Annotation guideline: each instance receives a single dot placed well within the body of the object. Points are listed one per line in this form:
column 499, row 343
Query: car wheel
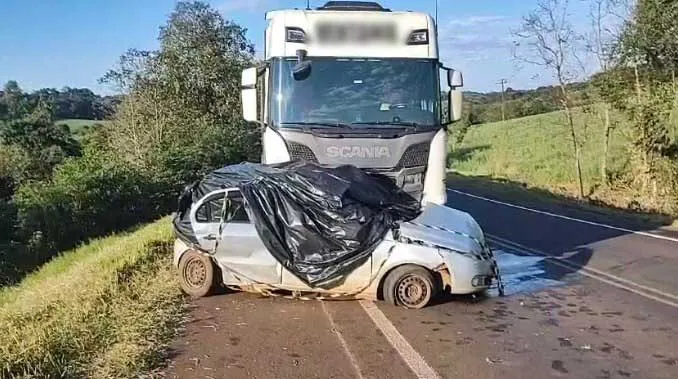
column 196, row 274
column 410, row 286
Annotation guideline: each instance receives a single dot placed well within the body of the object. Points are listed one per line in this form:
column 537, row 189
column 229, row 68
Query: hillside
column 487, row 107
column 533, row 149
column 537, row 151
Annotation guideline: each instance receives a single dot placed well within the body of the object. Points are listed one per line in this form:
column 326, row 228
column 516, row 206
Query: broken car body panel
column 446, row 227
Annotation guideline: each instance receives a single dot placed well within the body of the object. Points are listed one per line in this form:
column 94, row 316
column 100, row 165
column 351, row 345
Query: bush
column 13, row 163
column 87, row 197
column 9, row 259
column 45, row 144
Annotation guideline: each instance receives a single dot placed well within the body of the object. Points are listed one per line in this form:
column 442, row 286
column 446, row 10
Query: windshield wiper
column 327, row 124
column 393, row 123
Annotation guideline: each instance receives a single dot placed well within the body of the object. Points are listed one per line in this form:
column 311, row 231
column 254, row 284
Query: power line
column 502, row 82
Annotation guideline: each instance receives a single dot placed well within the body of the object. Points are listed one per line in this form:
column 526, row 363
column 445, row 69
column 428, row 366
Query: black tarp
column 320, row 223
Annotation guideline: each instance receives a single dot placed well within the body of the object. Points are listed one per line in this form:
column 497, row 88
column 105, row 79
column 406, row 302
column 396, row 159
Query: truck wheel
column 196, row 274
column 410, row 286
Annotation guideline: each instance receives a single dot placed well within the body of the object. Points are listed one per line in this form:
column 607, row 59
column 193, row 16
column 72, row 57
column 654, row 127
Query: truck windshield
column 359, row 93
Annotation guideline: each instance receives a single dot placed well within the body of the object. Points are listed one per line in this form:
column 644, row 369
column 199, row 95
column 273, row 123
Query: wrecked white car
column 413, row 260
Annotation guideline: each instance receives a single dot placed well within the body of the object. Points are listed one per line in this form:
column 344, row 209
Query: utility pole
column 503, row 108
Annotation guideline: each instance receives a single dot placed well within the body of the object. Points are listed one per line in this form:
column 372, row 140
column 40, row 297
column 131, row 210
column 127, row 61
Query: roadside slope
column 537, row 151
column 106, row 309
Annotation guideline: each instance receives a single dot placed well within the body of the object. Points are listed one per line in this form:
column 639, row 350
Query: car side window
column 211, row 208
column 238, row 213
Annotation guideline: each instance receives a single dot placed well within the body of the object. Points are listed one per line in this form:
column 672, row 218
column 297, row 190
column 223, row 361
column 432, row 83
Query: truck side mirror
column 302, row 69
column 455, row 98
column 248, row 87
column 455, row 79
column 455, row 101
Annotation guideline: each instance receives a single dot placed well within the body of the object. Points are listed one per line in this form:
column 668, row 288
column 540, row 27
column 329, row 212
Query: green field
column 78, row 126
column 107, row 309
column 537, row 151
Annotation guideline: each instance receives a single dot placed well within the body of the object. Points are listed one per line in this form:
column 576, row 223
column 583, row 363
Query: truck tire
column 196, row 274
column 410, row 286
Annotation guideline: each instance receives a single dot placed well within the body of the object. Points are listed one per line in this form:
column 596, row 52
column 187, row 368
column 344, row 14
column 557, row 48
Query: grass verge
column 105, row 310
column 537, row 150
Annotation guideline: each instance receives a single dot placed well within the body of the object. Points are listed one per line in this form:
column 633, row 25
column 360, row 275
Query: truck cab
column 354, row 83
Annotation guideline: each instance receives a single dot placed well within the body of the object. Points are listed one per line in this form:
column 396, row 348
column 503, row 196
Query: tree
column 546, row 38
column 45, row 144
column 606, row 18
column 649, row 37
column 643, row 87
column 12, row 102
column 650, row 40
column 79, row 103
column 181, row 114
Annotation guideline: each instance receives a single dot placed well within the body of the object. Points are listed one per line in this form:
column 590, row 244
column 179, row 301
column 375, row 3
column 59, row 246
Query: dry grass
column 107, row 309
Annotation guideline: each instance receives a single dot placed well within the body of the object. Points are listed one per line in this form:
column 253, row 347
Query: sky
column 57, row 43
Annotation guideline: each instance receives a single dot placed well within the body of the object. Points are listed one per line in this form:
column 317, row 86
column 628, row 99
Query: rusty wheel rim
column 413, row 291
column 195, row 272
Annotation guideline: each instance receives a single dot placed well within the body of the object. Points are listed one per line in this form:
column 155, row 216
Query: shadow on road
column 561, row 239
column 541, row 199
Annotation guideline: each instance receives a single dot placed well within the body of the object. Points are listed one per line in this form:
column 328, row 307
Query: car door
column 240, row 248
column 355, row 281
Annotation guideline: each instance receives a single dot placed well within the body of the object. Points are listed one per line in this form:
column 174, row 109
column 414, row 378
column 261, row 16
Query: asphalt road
column 584, row 301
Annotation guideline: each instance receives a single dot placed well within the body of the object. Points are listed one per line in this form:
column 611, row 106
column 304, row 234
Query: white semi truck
column 354, row 83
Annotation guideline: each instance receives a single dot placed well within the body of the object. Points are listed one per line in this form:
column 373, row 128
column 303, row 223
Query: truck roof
column 353, row 6
column 347, row 18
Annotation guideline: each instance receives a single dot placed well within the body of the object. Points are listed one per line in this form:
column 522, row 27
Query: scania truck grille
column 414, row 156
column 302, row 152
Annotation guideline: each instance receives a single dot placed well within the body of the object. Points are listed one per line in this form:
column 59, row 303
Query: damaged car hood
column 445, row 227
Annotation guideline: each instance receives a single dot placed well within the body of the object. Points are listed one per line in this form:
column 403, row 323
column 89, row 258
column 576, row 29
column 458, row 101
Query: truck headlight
column 413, row 179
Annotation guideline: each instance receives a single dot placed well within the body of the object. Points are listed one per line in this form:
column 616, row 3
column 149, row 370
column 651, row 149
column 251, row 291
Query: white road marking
column 415, row 361
column 637, row 232
column 336, row 331
column 602, row 276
